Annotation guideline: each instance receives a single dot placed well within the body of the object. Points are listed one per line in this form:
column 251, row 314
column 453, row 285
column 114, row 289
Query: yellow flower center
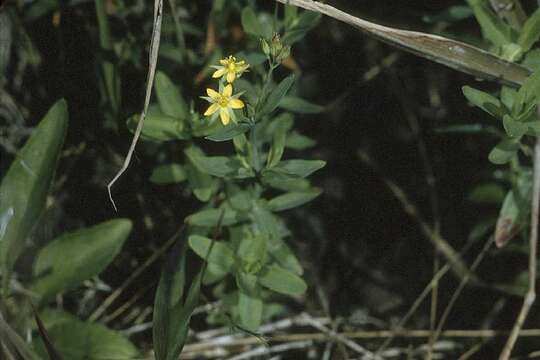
column 223, row 101
column 231, row 67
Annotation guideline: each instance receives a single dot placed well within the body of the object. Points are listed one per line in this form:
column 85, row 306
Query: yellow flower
column 224, row 102
column 231, row 68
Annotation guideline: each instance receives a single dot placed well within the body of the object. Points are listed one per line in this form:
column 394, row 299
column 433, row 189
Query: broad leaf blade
column 25, row 186
column 74, row 257
column 169, row 97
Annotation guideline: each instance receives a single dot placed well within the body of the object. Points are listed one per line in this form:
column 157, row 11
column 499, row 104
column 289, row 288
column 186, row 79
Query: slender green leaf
column 169, row 294
column 25, row 186
column 503, row 152
column 493, row 28
column 74, row 257
column 282, row 126
column 514, row 129
column 284, row 256
column 292, row 199
column 300, row 168
column 219, row 166
column 484, row 101
column 210, row 217
column 229, row 132
column 273, row 99
column 250, row 309
column 168, row 174
column 530, row 32
column 299, row 105
column 220, row 255
column 297, row 141
column 282, row 281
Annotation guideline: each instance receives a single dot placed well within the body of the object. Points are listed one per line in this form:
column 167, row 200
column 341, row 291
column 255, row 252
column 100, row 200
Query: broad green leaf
column 213, row 273
column 219, row 166
column 210, row 218
column 285, row 182
column 297, row 141
column 169, row 98
column 273, row 99
column 300, row 168
column 484, row 101
column 203, row 185
column 220, row 255
column 493, row 28
column 490, row 193
column 74, row 257
column 248, row 283
column 292, row 199
column 252, row 252
column 25, row 186
column 78, row 340
column 250, row 310
column 530, row 32
column 252, row 25
column 168, row 174
column 503, row 152
column 282, row 281
column 229, row 132
column 514, row 129
column 299, row 105
column 282, row 126
column 158, row 127
column 240, row 200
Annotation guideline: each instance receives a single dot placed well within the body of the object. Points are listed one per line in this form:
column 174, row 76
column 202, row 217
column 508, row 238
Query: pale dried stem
column 153, row 55
column 454, row 54
column 533, row 244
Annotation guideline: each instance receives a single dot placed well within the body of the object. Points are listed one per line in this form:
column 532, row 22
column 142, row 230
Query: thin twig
column 533, row 243
column 454, row 54
column 336, row 336
column 201, row 347
column 154, row 50
column 458, row 266
column 263, row 350
column 109, row 300
column 460, row 288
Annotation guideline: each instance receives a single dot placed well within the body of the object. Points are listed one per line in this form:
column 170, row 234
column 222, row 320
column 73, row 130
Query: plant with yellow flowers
column 246, row 191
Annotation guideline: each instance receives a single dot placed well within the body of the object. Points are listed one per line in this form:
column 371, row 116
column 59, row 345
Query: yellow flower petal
column 228, row 90
column 224, row 61
column 224, row 116
column 211, row 109
column 219, row 73
column 212, row 93
column 231, row 76
column 236, row 103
